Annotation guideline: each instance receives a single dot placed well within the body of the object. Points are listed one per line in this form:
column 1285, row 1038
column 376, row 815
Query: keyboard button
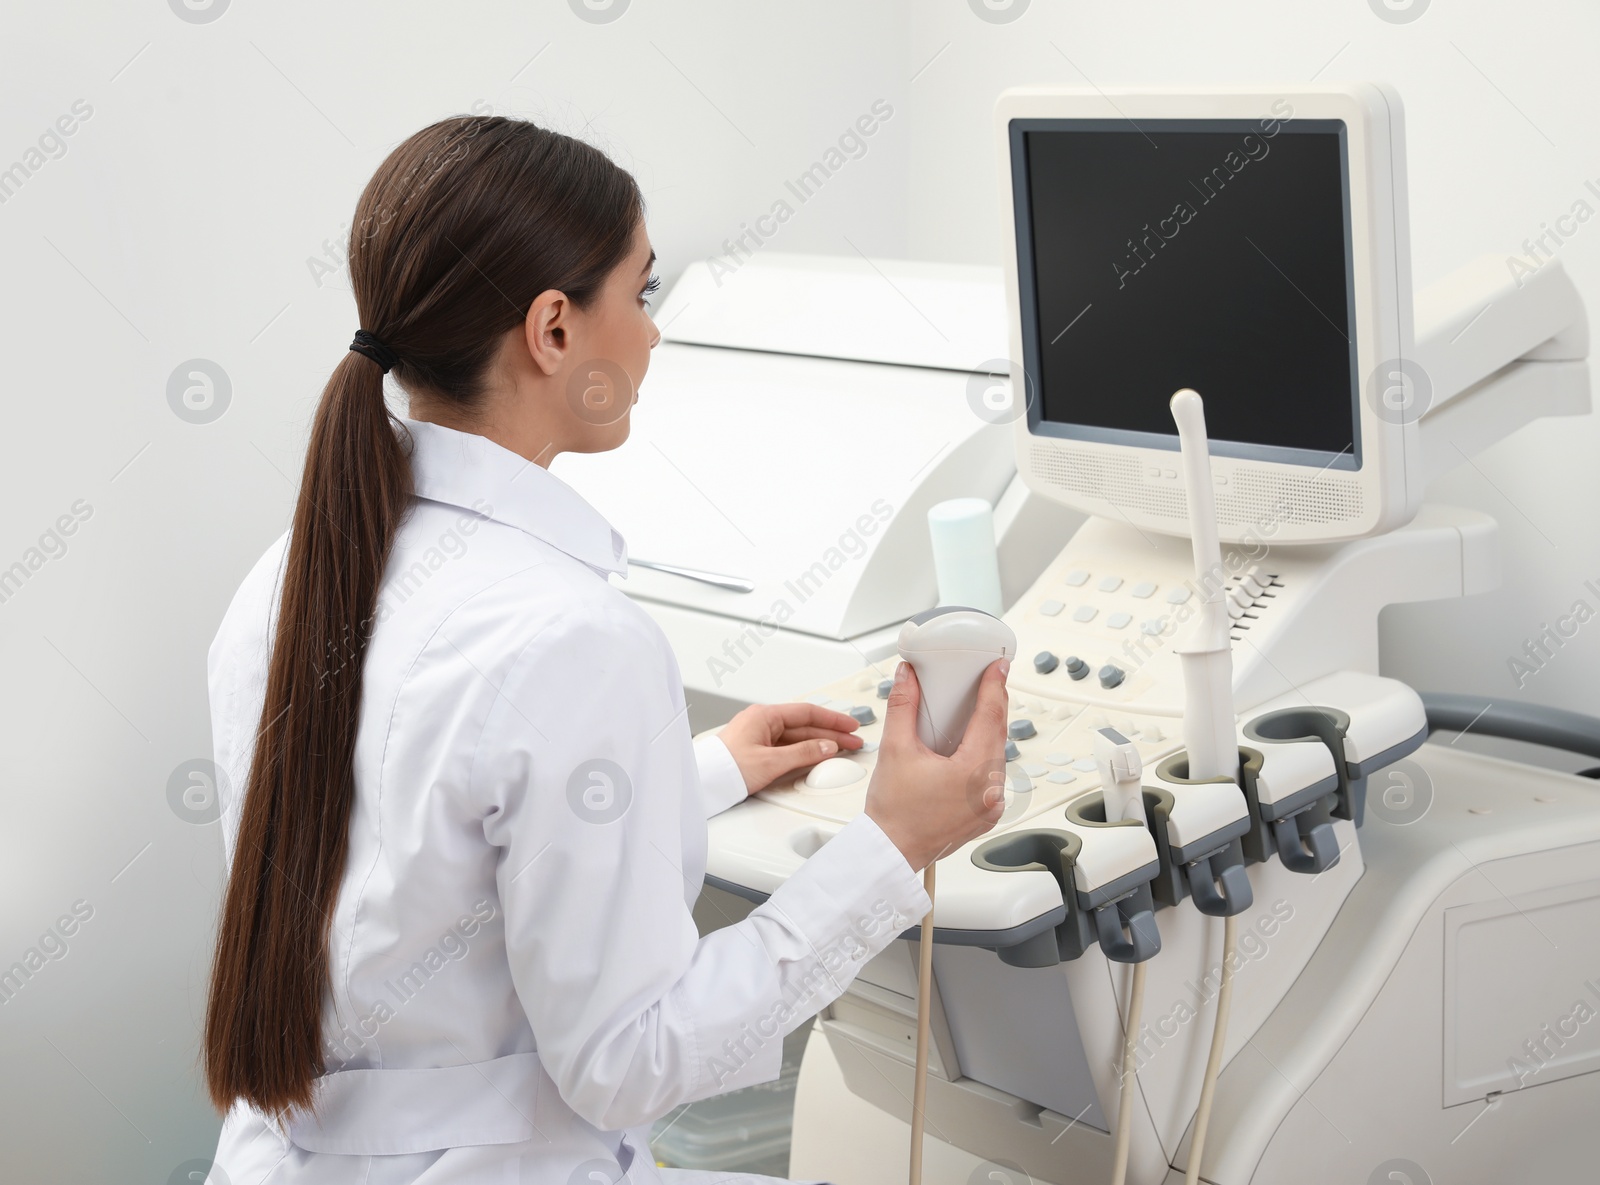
column 1084, row 613
column 1119, row 621
column 1110, row 583
column 1178, row 595
column 1143, row 589
column 1050, row 608
column 1076, row 578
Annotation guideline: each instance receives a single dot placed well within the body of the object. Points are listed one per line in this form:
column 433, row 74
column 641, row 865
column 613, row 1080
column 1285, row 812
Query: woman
column 456, row 944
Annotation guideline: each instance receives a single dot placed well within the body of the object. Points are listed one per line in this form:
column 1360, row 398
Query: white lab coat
column 518, row 990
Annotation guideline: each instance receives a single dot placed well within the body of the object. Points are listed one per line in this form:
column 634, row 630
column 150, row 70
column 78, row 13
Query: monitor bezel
column 1140, row 485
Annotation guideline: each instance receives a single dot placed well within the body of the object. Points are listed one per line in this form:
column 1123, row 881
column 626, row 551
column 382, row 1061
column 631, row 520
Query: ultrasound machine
column 1395, row 930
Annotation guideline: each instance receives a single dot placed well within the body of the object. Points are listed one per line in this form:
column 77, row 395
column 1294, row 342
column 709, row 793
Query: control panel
column 1098, row 636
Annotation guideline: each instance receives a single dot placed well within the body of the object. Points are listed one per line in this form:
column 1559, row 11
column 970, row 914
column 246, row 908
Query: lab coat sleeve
column 586, row 774
column 720, row 780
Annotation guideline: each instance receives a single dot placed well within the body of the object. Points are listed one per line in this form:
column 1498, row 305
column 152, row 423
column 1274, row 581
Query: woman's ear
column 547, row 330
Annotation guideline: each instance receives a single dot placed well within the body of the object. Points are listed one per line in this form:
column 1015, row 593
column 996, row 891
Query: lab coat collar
column 473, row 472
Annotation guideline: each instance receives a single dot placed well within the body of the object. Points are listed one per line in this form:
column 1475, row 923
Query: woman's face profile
column 612, row 343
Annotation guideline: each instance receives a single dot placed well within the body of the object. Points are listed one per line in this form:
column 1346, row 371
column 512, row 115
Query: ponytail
column 262, row 1038
column 457, row 232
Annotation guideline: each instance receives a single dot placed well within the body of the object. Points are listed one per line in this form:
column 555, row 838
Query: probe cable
column 919, row 1091
column 1219, row 1035
column 1130, row 1080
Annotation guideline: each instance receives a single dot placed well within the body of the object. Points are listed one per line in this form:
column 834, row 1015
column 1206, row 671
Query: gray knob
column 1021, row 730
column 884, row 688
column 1044, row 662
column 1011, row 750
column 1076, row 667
column 863, row 713
column 1110, row 675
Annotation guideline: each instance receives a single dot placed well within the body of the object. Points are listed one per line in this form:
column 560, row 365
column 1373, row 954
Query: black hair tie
column 365, row 343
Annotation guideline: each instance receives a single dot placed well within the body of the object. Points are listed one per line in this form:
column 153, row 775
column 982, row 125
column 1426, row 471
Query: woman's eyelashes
column 650, row 290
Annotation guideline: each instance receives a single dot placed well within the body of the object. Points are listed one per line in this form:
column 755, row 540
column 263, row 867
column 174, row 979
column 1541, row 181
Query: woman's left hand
column 770, row 740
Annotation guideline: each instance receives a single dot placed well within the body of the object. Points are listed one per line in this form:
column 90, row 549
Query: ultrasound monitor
column 1247, row 244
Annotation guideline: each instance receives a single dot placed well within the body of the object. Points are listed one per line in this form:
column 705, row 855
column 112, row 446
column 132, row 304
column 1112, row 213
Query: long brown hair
column 458, row 231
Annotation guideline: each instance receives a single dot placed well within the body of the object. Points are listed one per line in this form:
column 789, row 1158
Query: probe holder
column 1042, row 850
column 1296, row 803
column 1125, row 920
column 1208, row 866
column 1119, row 915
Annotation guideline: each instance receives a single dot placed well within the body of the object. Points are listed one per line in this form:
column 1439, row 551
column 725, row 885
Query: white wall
column 219, row 156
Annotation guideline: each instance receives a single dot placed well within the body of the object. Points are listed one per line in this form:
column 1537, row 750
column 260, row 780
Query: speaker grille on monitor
column 1252, row 496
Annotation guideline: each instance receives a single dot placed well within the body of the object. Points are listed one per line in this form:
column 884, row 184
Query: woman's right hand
column 930, row 805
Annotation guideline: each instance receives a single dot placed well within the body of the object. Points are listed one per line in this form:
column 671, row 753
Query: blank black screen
column 1215, row 259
